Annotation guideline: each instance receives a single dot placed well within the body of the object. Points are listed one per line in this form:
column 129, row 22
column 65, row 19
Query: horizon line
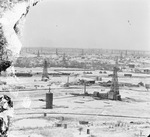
column 85, row 48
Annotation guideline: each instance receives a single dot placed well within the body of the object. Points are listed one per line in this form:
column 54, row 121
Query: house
column 128, row 75
column 23, row 74
column 131, row 66
column 146, row 71
column 83, row 80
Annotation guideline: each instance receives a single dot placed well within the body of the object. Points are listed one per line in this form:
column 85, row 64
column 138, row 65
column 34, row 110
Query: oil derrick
column 56, row 51
column 45, row 71
column 26, row 50
column 82, row 53
column 64, row 60
column 41, row 50
column 38, row 54
column 126, row 52
column 114, row 90
column 121, row 56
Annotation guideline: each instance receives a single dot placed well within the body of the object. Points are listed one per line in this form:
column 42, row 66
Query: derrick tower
column 64, row 60
column 114, row 90
column 56, row 51
column 82, row 52
column 126, row 52
column 38, row 53
column 121, row 56
column 45, row 71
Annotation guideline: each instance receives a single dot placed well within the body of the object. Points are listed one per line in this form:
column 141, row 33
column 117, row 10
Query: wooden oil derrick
column 126, row 52
column 56, row 51
column 64, row 60
column 45, row 71
column 121, row 56
column 38, row 53
column 82, row 52
column 114, row 90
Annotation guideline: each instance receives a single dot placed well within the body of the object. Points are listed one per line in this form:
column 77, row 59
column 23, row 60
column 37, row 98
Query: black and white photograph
column 74, row 68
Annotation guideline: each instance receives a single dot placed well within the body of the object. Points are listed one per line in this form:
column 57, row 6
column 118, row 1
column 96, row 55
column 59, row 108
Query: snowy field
column 105, row 118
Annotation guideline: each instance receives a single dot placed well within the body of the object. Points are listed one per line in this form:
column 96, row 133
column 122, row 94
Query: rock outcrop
column 12, row 18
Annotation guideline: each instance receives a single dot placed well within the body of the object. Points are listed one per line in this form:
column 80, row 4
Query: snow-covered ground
column 127, row 118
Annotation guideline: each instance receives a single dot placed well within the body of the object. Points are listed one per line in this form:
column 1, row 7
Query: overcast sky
column 111, row 24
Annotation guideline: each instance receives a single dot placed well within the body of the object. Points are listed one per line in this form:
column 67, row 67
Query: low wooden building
column 128, row 75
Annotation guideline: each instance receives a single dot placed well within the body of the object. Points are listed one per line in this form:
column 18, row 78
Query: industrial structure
column 45, row 71
column 114, row 90
column 64, row 60
column 56, row 51
column 113, row 94
column 38, row 54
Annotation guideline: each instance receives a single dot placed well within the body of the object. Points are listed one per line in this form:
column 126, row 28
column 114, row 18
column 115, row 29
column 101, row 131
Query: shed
column 131, row 66
column 128, row 75
column 87, row 80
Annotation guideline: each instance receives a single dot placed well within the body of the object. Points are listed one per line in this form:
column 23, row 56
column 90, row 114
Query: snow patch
column 32, row 123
